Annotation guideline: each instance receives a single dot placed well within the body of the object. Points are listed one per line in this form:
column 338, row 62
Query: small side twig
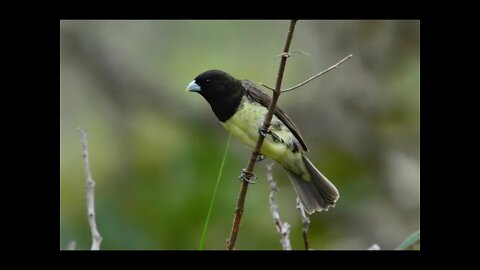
column 282, row 227
column 90, row 186
column 291, row 52
column 311, row 78
column 305, row 221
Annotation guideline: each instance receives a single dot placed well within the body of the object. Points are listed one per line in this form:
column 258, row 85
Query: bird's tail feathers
column 318, row 193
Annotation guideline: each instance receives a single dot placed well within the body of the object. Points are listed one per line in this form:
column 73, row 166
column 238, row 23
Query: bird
column 241, row 106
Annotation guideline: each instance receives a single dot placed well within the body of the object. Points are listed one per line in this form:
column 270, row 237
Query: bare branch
column 72, row 245
column 318, row 75
column 90, row 186
column 309, row 79
column 282, row 228
column 256, row 151
column 290, row 53
column 305, row 221
column 266, row 86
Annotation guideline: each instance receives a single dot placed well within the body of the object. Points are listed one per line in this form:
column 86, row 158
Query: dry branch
column 305, row 222
column 248, row 173
column 309, row 79
column 282, row 227
column 90, row 186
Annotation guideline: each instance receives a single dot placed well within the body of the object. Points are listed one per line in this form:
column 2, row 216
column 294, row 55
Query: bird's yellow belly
column 271, row 149
column 244, row 125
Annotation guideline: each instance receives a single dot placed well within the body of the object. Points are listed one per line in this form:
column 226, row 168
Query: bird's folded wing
column 261, row 97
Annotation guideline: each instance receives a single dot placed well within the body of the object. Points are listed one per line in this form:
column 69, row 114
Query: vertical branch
column 256, row 151
column 282, row 228
column 90, row 186
column 305, row 221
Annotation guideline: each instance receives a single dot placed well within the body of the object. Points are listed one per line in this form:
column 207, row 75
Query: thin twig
column 90, row 186
column 290, row 53
column 72, row 245
column 305, row 221
column 282, row 228
column 256, row 151
column 266, row 86
column 316, row 76
column 311, row 78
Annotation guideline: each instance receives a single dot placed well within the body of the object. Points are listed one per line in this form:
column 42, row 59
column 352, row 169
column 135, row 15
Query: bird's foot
column 260, row 158
column 263, row 132
column 248, row 177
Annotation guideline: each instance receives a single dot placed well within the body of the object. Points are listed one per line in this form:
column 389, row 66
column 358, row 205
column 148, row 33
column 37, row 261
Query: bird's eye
column 207, row 81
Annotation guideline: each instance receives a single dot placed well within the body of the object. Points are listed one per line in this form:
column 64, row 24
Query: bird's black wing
column 259, row 96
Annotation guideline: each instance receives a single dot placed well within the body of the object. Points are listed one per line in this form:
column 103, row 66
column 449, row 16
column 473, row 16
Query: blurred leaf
column 410, row 241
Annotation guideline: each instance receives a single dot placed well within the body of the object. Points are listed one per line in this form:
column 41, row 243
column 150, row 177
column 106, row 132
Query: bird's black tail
column 317, row 194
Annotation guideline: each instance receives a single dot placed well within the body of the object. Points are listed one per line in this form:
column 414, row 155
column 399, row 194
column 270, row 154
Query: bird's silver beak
column 193, row 87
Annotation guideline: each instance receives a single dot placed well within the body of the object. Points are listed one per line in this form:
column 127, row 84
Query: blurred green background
column 155, row 150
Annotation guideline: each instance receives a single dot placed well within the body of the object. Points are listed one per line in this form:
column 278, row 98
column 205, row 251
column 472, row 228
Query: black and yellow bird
column 241, row 108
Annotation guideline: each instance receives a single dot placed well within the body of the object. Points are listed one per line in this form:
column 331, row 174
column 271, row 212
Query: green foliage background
column 155, row 150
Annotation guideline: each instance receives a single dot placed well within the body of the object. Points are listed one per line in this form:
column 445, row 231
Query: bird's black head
column 221, row 90
column 213, row 84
